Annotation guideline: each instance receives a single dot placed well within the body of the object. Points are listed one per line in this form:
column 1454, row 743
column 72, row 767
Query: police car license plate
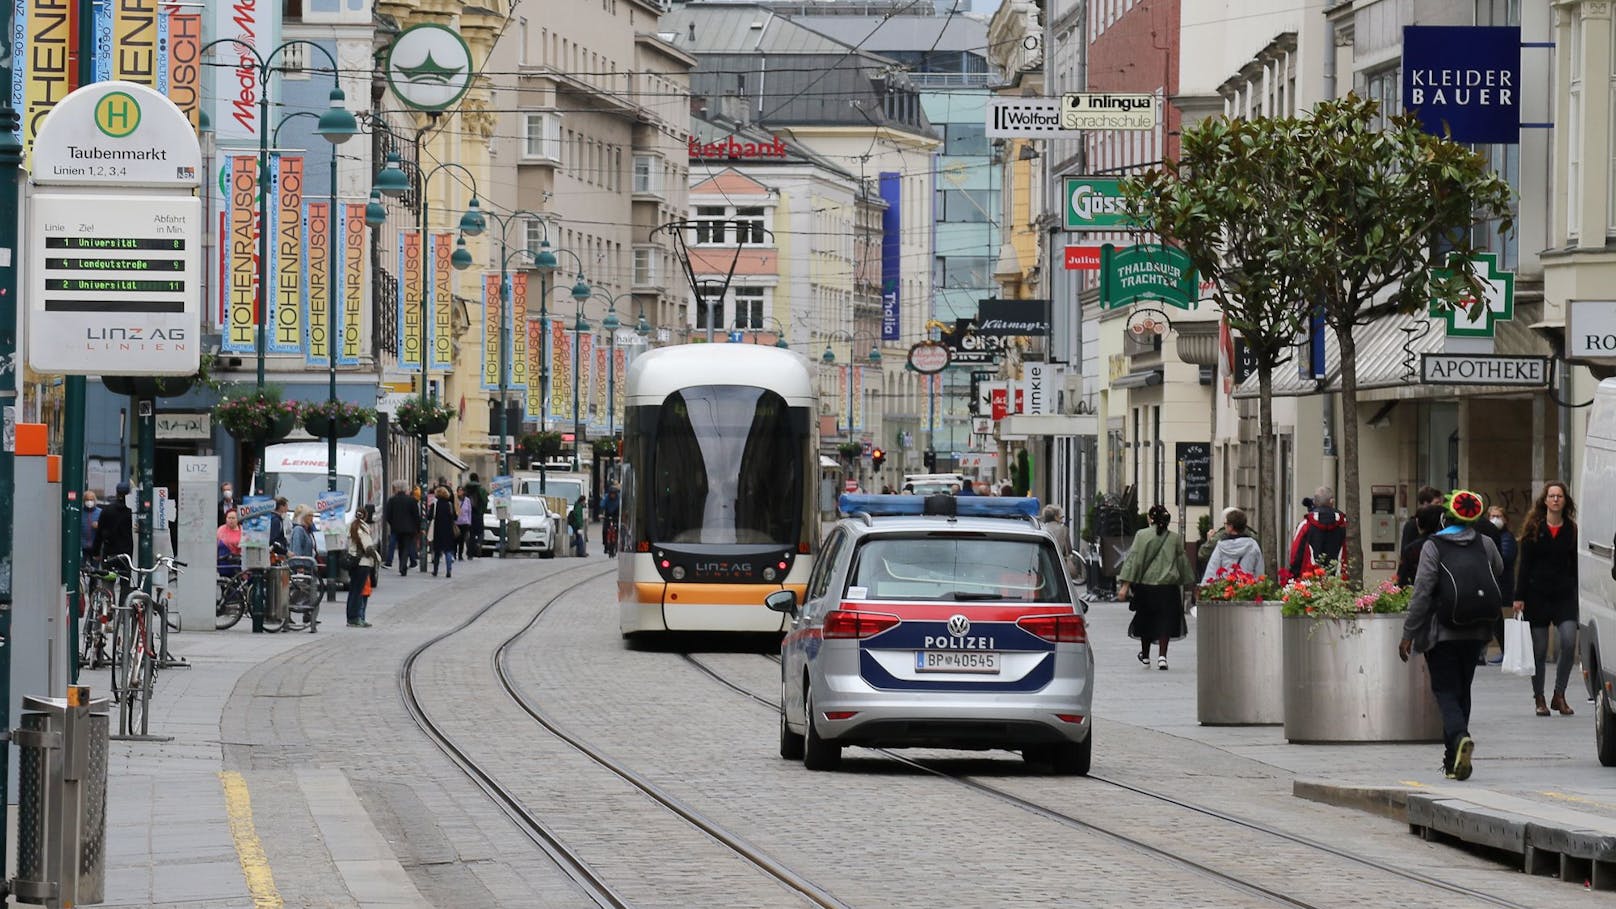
column 956, row 661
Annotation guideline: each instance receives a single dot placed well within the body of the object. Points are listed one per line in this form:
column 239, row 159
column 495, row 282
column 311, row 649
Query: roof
column 934, row 34
column 729, row 182
column 738, row 27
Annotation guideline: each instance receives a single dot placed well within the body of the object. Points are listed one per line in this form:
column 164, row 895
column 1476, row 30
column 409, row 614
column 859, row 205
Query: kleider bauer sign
column 1483, row 369
column 1464, row 81
column 1108, row 110
column 1027, row 118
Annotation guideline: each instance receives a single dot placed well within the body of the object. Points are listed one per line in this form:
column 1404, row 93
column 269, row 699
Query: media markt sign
column 1146, row 271
column 1096, row 203
column 429, row 67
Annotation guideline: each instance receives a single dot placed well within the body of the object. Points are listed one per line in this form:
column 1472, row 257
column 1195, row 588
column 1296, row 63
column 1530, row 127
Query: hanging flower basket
column 336, row 419
column 256, row 416
column 420, row 417
column 851, row 451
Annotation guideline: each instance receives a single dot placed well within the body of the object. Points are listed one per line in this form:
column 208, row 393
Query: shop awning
column 828, row 462
column 1389, row 352
column 1022, row 425
column 443, row 453
column 1138, row 379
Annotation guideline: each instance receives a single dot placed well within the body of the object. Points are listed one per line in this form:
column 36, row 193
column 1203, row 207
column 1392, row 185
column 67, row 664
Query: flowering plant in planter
column 423, row 417
column 1237, row 584
column 850, row 450
column 1322, row 595
column 336, row 418
column 256, row 414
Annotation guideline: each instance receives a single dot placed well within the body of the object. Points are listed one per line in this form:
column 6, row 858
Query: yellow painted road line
column 254, row 864
column 1577, row 799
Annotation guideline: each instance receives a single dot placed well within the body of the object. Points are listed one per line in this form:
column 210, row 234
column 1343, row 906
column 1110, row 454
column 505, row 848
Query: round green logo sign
column 117, row 114
column 429, row 67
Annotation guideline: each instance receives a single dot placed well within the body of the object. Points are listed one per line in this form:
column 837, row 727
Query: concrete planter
column 1345, row 683
column 1239, row 680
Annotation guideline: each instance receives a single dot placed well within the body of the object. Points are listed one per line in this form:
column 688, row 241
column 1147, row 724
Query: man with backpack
column 1450, row 618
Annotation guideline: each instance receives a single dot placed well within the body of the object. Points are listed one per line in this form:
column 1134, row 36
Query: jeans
column 399, row 542
column 474, row 535
column 1567, row 655
column 1452, row 665
column 446, row 552
column 357, row 576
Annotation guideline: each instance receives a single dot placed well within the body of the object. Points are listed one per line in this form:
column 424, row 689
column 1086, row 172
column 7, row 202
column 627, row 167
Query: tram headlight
column 768, row 573
column 678, row 572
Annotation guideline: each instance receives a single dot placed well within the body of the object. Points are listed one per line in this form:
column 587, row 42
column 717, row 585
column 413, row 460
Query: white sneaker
column 1161, row 663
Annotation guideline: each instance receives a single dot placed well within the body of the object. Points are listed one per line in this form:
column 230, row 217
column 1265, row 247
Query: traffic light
column 930, row 460
column 876, row 457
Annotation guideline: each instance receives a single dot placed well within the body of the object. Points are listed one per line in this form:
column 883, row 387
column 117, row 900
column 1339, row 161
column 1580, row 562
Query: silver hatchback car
column 950, row 629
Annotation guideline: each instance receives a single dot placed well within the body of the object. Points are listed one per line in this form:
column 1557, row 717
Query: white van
column 1596, row 586
column 297, row 470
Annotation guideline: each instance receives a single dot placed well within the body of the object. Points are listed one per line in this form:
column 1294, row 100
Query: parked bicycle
column 303, row 599
column 137, row 653
column 98, row 602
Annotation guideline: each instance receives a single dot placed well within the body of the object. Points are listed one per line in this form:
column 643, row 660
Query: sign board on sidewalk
column 500, row 489
column 1194, row 459
column 1108, row 110
column 1484, row 369
column 116, row 135
column 331, row 504
column 1027, row 118
column 198, row 543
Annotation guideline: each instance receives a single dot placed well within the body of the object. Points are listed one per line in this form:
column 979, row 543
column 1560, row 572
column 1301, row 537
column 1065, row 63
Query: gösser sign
column 1482, row 369
column 1095, row 203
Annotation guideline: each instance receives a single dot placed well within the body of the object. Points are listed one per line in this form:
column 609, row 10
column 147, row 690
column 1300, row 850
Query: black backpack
column 1466, row 589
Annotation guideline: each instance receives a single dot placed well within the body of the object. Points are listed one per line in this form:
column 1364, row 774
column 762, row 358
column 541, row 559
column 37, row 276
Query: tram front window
column 728, row 467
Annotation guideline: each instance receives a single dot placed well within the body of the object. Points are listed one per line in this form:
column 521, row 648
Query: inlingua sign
column 1464, row 81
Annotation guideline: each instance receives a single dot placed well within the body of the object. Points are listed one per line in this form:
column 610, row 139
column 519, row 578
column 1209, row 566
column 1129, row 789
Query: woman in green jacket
column 1155, row 571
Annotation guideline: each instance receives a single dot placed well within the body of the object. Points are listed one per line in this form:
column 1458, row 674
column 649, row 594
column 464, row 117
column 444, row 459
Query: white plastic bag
column 1518, row 659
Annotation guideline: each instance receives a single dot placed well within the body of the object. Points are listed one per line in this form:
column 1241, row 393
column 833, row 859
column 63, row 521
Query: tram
column 717, row 507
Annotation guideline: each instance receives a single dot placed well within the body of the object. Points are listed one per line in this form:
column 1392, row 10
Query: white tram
column 720, row 456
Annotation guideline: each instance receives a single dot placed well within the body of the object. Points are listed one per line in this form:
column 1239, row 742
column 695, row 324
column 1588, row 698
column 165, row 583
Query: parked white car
column 536, row 522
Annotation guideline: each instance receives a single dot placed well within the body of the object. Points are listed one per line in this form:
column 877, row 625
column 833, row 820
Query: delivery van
column 297, row 470
column 1596, row 570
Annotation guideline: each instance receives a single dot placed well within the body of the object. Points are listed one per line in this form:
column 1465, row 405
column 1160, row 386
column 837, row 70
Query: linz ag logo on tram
column 719, row 569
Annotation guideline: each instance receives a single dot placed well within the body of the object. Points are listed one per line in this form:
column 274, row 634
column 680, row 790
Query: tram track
column 1055, row 815
column 588, row 879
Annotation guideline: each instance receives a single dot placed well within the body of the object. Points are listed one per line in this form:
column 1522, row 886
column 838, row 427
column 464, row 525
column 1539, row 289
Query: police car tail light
column 1057, row 629
column 854, row 623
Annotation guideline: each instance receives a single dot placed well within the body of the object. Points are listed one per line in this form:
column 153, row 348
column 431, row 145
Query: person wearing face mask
column 91, row 516
column 227, row 500
column 1497, row 527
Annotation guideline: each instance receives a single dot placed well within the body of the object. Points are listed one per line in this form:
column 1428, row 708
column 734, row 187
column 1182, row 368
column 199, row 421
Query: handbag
column 368, row 588
column 1518, row 656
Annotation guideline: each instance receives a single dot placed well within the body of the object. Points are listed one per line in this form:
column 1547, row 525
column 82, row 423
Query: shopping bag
column 1518, row 648
column 367, row 589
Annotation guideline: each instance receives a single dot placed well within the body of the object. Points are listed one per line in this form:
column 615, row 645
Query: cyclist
column 608, row 520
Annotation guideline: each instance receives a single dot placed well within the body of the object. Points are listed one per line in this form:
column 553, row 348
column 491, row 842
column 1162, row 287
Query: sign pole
column 73, row 393
column 146, row 458
column 10, row 201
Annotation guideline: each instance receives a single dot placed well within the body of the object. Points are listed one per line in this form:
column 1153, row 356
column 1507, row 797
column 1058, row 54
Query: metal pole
column 426, row 256
column 544, row 369
column 611, row 385
column 11, row 205
column 331, row 365
column 577, row 425
column 504, row 354
column 147, row 457
column 73, row 393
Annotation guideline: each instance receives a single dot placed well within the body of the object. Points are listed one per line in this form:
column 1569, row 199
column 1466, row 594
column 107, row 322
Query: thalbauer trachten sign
column 1108, row 110
column 1464, row 81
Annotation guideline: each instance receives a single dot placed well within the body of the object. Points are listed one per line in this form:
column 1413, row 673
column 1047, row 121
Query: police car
column 936, row 622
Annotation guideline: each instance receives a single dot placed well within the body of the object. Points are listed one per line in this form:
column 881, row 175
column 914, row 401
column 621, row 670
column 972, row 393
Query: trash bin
column 277, row 599
column 62, row 799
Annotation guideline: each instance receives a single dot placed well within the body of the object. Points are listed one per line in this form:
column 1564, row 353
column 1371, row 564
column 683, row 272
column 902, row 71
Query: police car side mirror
column 782, row 601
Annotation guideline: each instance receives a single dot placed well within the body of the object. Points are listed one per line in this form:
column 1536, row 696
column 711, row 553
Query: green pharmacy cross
column 1471, row 319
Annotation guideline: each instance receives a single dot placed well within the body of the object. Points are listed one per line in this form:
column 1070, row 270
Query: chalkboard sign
column 1195, row 463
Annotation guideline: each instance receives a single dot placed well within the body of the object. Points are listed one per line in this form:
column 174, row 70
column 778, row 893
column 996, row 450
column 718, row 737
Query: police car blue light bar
column 964, row 506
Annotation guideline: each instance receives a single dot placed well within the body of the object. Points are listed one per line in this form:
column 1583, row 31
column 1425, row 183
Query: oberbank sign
column 1463, row 82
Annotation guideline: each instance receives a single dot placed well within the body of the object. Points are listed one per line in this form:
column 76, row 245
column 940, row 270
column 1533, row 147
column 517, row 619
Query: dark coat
column 1546, row 576
column 115, row 533
column 401, row 515
column 444, row 515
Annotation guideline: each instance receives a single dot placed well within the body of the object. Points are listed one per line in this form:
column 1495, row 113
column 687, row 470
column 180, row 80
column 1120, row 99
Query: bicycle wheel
column 119, row 656
column 303, row 601
column 98, row 625
column 231, row 604
column 137, row 674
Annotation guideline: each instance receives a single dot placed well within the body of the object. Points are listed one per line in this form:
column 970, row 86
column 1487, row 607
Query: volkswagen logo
column 958, row 625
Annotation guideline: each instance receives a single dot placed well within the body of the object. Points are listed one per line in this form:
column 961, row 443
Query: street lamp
column 611, row 323
column 391, row 181
column 330, row 333
column 580, row 293
column 829, row 359
column 505, row 328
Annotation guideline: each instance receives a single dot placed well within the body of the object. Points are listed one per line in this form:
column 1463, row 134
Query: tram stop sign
column 115, row 230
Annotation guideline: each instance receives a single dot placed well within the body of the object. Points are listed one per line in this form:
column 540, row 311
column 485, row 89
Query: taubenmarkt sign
column 1484, row 369
column 1146, row 271
column 116, row 134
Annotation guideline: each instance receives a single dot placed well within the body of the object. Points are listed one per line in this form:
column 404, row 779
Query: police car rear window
column 957, row 567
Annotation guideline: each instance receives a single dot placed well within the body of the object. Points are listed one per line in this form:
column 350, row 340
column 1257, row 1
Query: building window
column 963, row 271
column 965, row 139
column 645, row 266
column 749, row 225
column 717, row 225
column 647, row 175
column 710, row 224
column 541, row 136
column 749, row 307
column 965, row 205
column 533, row 232
column 1385, row 86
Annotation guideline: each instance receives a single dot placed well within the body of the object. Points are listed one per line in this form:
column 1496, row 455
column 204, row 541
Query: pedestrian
column 1321, row 539
column 609, row 505
column 965, row 487
column 1054, row 521
column 440, row 530
column 1154, row 573
column 300, row 542
column 463, row 505
column 1546, row 587
column 1427, row 520
column 362, row 560
column 277, row 524
column 575, row 521
column 227, row 499
column 115, row 529
column 479, row 514
column 1214, row 534
column 1235, row 550
column 87, row 521
column 403, row 520
column 1456, row 578
column 1426, row 495
column 1507, row 547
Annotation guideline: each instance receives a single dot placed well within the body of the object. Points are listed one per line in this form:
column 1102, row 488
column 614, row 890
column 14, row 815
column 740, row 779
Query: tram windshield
column 727, row 463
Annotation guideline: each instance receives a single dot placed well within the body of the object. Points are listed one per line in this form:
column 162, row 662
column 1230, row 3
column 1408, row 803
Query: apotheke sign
column 1482, row 369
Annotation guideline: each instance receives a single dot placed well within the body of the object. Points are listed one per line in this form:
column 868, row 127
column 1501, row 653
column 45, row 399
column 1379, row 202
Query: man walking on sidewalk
column 1450, row 618
column 402, row 519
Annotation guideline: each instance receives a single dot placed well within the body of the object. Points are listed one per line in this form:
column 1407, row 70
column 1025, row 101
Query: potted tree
column 1238, row 678
column 423, row 417
column 1343, row 679
column 339, row 419
column 256, row 415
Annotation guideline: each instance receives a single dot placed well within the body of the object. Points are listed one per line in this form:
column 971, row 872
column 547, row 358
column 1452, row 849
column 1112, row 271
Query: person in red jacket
column 1321, row 538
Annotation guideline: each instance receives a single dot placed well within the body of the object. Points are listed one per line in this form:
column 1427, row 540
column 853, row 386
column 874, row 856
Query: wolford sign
column 729, row 148
column 1464, row 82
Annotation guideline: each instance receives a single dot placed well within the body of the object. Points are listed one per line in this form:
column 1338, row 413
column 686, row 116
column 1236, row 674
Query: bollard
column 62, row 800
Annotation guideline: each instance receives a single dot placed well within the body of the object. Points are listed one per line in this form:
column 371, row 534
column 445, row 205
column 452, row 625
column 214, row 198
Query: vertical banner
column 185, row 62
column 602, row 379
column 441, row 334
column 492, row 305
column 857, row 378
column 844, row 379
column 409, row 298
column 560, row 371
column 353, row 285
column 891, row 187
column 41, row 68
column 619, row 367
column 134, row 30
column 586, row 372
column 317, row 252
column 288, row 254
column 535, row 352
column 103, row 40
column 519, row 333
column 242, row 305
column 232, row 87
